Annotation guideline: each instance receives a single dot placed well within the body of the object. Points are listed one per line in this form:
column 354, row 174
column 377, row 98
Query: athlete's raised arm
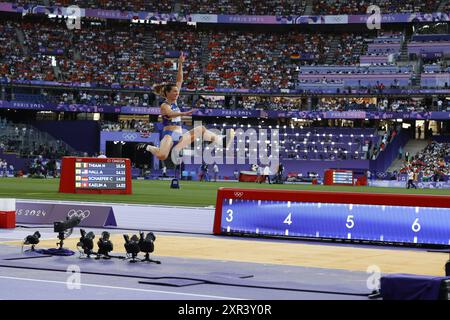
column 180, row 71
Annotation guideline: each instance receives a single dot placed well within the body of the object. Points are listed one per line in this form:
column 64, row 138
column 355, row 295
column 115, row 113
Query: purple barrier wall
column 366, row 59
column 44, row 213
column 428, row 47
column 440, row 139
column 431, row 37
column 16, row 161
column 298, row 166
column 83, row 135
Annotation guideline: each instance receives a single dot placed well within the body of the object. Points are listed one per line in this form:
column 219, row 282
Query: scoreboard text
column 95, row 175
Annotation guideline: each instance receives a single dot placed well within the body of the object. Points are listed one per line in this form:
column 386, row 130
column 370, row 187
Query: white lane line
column 121, row 288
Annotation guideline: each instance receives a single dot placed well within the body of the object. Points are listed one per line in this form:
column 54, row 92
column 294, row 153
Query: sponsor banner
column 357, row 114
column 337, row 19
column 431, row 55
column 51, row 51
column 139, row 110
column 227, row 112
column 212, row 18
column 204, row 18
column 6, row 7
column 402, row 184
column 44, row 213
column 247, row 19
column 431, row 37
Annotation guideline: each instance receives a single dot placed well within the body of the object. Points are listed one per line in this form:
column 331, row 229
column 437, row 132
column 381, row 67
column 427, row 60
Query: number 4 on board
column 288, row 219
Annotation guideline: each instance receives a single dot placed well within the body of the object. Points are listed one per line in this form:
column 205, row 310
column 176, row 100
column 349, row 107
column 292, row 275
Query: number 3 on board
column 230, row 215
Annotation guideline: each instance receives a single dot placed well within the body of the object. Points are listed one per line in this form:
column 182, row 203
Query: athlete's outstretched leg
column 164, row 148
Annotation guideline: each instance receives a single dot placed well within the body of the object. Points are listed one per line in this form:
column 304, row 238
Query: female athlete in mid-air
column 172, row 135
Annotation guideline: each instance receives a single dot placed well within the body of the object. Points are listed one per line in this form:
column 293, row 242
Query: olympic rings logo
column 238, row 194
column 129, row 136
column 82, row 214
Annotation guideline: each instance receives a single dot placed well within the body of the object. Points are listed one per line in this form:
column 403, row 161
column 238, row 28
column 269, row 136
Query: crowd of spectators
column 15, row 64
column 432, row 163
column 96, row 98
column 129, row 125
column 28, row 142
column 246, row 7
column 248, row 102
column 114, row 56
column 250, row 7
column 360, row 7
column 372, row 69
column 161, row 6
column 260, row 60
column 345, row 104
column 270, row 103
column 349, row 49
column 384, row 104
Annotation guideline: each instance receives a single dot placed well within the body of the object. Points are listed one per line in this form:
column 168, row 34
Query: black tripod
column 175, row 184
column 147, row 259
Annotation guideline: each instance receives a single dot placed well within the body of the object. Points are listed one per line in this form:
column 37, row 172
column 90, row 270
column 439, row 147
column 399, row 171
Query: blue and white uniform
column 167, row 121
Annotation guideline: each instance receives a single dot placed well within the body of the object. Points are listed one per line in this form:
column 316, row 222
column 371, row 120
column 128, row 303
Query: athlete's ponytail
column 163, row 89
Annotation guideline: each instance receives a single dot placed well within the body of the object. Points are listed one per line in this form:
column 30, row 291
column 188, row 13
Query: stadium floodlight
column 86, row 243
column 105, row 246
column 32, row 240
column 132, row 247
column 146, row 245
column 65, row 228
